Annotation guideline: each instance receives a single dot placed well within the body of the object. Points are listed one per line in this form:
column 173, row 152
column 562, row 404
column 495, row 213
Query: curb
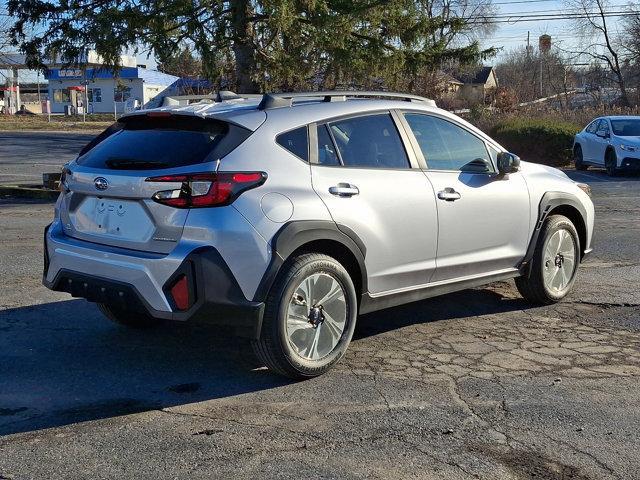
column 16, row 191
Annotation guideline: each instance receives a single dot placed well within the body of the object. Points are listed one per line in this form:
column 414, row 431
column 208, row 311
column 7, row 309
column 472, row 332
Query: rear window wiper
column 133, row 164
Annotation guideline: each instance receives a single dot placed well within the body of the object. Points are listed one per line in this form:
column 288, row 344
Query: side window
column 604, row 126
column 326, row 149
column 370, row 141
column 446, row 146
column 296, row 141
column 593, row 127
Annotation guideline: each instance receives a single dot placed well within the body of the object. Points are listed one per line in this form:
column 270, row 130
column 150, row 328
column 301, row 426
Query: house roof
column 479, row 76
column 444, row 77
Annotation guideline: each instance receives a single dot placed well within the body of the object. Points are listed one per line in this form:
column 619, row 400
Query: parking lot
column 476, row 384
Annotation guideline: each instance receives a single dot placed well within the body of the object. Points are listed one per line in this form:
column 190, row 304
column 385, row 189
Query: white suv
column 288, row 216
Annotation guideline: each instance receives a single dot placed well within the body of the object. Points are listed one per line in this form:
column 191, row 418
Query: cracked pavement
column 476, row 384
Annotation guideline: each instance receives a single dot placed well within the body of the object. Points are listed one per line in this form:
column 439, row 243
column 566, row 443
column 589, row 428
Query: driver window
column 593, row 127
column 446, row 146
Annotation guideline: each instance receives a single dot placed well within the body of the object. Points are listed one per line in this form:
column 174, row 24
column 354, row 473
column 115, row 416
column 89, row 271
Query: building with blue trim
column 107, row 91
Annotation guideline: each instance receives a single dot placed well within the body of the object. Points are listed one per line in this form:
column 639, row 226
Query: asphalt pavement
column 476, row 384
column 25, row 156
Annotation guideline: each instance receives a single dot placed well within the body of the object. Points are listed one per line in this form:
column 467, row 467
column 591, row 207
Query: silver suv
column 288, row 216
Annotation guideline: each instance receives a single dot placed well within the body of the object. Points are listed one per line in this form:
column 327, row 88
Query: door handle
column 344, row 190
column 449, row 195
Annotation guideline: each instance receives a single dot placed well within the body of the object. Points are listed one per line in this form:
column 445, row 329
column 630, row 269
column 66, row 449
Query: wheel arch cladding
column 558, row 203
column 320, row 237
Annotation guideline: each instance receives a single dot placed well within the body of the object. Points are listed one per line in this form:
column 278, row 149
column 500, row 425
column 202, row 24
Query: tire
column 552, row 274
column 611, row 163
column 578, row 159
column 293, row 324
column 128, row 318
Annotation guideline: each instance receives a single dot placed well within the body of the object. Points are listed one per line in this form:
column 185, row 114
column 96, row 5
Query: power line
column 513, row 19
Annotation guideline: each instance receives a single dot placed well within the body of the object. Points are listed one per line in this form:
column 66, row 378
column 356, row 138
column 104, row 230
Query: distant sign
column 70, row 72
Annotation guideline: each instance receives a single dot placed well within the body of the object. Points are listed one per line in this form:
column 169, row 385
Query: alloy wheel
column 559, row 260
column 316, row 316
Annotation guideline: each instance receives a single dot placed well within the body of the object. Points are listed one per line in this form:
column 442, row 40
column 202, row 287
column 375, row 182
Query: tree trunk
column 243, row 47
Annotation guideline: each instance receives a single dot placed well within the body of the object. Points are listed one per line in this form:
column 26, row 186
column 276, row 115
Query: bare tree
column 532, row 74
column 631, row 43
column 5, row 39
column 600, row 42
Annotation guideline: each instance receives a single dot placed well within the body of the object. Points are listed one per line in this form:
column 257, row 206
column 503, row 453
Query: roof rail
column 277, row 100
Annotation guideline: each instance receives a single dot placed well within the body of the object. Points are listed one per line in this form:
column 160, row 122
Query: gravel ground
column 476, row 384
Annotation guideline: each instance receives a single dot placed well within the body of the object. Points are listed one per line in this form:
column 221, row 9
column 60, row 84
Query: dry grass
column 58, row 123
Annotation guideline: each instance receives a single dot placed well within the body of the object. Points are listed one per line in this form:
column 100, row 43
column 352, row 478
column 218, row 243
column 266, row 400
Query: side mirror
column 508, row 163
column 478, row 165
column 602, row 134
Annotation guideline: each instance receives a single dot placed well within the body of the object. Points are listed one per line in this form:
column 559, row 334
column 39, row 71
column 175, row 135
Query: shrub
column 545, row 141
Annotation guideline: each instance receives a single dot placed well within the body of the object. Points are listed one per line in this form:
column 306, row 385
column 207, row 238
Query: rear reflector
column 206, row 189
column 180, row 293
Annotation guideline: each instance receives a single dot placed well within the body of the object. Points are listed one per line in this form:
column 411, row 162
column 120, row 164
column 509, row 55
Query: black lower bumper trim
column 630, row 164
column 217, row 297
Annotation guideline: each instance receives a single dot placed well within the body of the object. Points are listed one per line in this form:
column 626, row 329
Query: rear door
column 483, row 218
column 108, row 199
column 362, row 172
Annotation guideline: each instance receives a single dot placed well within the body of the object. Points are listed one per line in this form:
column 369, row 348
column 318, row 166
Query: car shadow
column 63, row 363
column 466, row 303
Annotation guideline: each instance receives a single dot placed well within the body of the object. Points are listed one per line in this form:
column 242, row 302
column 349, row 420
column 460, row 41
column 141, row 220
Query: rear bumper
column 143, row 282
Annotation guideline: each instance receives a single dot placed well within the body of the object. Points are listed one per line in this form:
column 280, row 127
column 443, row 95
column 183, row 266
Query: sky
column 510, row 34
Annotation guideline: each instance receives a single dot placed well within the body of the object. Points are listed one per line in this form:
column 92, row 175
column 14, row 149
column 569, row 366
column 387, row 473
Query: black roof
column 479, row 76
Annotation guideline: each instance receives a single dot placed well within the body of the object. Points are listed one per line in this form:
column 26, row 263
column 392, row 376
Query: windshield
column 626, row 128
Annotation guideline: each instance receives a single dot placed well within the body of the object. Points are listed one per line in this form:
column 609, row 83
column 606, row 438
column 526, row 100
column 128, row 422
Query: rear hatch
column 108, row 199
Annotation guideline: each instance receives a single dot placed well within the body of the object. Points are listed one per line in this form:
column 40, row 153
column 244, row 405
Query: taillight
column 206, row 189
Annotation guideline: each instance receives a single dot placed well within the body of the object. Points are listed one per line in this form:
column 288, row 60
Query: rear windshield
column 626, row 128
column 147, row 143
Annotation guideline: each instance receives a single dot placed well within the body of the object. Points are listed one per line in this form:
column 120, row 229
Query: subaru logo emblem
column 101, row 183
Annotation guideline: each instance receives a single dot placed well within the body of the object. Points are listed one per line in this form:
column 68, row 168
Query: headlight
column 628, row 148
column 584, row 187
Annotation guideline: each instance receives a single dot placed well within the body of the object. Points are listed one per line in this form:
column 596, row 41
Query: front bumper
column 630, row 164
column 143, row 281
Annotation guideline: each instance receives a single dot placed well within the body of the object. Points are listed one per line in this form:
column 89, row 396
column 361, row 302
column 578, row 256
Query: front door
column 600, row 142
column 483, row 218
column 363, row 174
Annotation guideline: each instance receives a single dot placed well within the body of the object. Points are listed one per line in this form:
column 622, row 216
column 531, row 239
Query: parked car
column 288, row 216
column 609, row 142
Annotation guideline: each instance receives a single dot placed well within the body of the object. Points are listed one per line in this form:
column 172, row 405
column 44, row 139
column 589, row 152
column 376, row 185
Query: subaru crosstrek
column 288, row 216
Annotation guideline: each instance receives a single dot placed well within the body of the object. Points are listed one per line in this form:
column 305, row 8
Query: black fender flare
column 295, row 234
column 548, row 202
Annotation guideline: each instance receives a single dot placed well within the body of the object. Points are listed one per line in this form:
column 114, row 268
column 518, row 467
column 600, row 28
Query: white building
column 106, row 91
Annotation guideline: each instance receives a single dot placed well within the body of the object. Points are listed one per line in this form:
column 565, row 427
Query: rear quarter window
column 142, row 142
column 296, row 141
